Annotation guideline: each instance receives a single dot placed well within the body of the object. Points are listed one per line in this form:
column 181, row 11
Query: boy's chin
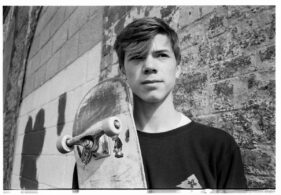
column 152, row 99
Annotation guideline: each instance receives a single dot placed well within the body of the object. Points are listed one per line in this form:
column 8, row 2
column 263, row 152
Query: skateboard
column 104, row 139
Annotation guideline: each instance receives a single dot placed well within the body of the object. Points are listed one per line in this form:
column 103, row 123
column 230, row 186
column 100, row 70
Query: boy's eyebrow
column 161, row 51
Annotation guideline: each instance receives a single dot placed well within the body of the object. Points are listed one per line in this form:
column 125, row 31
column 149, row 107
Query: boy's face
column 153, row 77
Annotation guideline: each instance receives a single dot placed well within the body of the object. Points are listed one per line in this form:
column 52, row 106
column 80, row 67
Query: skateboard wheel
column 62, row 144
column 112, row 126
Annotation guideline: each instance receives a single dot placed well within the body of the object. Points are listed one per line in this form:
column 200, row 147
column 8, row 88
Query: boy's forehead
column 161, row 42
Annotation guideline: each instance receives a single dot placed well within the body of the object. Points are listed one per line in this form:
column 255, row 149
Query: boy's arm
column 231, row 171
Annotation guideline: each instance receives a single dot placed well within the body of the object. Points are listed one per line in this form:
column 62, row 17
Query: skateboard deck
column 106, row 158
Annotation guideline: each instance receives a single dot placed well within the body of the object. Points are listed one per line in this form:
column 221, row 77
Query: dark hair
column 136, row 38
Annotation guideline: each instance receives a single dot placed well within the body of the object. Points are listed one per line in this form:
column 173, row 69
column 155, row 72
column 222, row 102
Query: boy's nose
column 149, row 66
column 150, row 71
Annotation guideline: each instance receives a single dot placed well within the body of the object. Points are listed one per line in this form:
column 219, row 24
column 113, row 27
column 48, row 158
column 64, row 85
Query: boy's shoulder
column 209, row 130
column 211, row 135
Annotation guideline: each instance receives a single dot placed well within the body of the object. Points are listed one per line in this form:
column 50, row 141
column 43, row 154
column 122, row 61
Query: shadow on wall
column 61, row 113
column 33, row 142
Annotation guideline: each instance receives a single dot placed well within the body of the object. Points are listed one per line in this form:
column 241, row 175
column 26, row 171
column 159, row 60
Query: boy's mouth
column 151, row 82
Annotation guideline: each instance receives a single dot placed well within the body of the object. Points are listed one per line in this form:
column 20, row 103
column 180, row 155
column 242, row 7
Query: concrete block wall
column 228, row 81
column 63, row 64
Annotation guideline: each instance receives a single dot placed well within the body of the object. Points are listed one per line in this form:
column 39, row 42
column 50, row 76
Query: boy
column 177, row 152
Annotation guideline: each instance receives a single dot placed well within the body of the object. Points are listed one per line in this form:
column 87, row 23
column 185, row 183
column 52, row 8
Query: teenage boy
column 177, row 152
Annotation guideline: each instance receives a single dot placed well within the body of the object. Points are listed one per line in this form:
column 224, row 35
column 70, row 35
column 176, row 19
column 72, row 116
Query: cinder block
column 53, row 65
column 57, row 20
column 94, row 61
column 52, row 136
column 61, row 169
column 51, row 113
column 75, row 74
column 74, row 98
column 69, row 52
column 60, row 37
column 46, row 52
column 95, row 10
column 68, row 11
column 90, row 34
column 51, row 89
column 40, row 76
column 44, row 35
column 42, row 95
column 35, row 62
column 68, row 79
column 77, row 19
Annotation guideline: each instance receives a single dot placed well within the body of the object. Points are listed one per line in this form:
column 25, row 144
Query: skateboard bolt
column 88, row 144
column 116, row 124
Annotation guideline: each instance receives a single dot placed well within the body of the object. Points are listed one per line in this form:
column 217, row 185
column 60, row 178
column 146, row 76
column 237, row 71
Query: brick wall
column 228, row 73
column 228, row 81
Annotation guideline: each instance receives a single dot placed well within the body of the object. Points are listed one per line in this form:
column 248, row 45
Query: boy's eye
column 162, row 55
column 136, row 58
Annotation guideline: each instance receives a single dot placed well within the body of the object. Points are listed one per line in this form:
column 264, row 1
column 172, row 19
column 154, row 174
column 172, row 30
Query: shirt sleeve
column 231, row 170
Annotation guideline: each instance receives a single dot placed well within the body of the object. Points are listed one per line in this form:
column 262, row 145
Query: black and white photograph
column 151, row 98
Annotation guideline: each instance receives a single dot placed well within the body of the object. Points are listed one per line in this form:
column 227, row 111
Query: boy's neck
column 156, row 117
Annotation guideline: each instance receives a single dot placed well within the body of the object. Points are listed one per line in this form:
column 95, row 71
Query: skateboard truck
column 89, row 140
column 117, row 147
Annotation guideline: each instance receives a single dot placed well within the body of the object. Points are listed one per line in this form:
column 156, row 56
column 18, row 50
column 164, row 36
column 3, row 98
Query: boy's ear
column 178, row 71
